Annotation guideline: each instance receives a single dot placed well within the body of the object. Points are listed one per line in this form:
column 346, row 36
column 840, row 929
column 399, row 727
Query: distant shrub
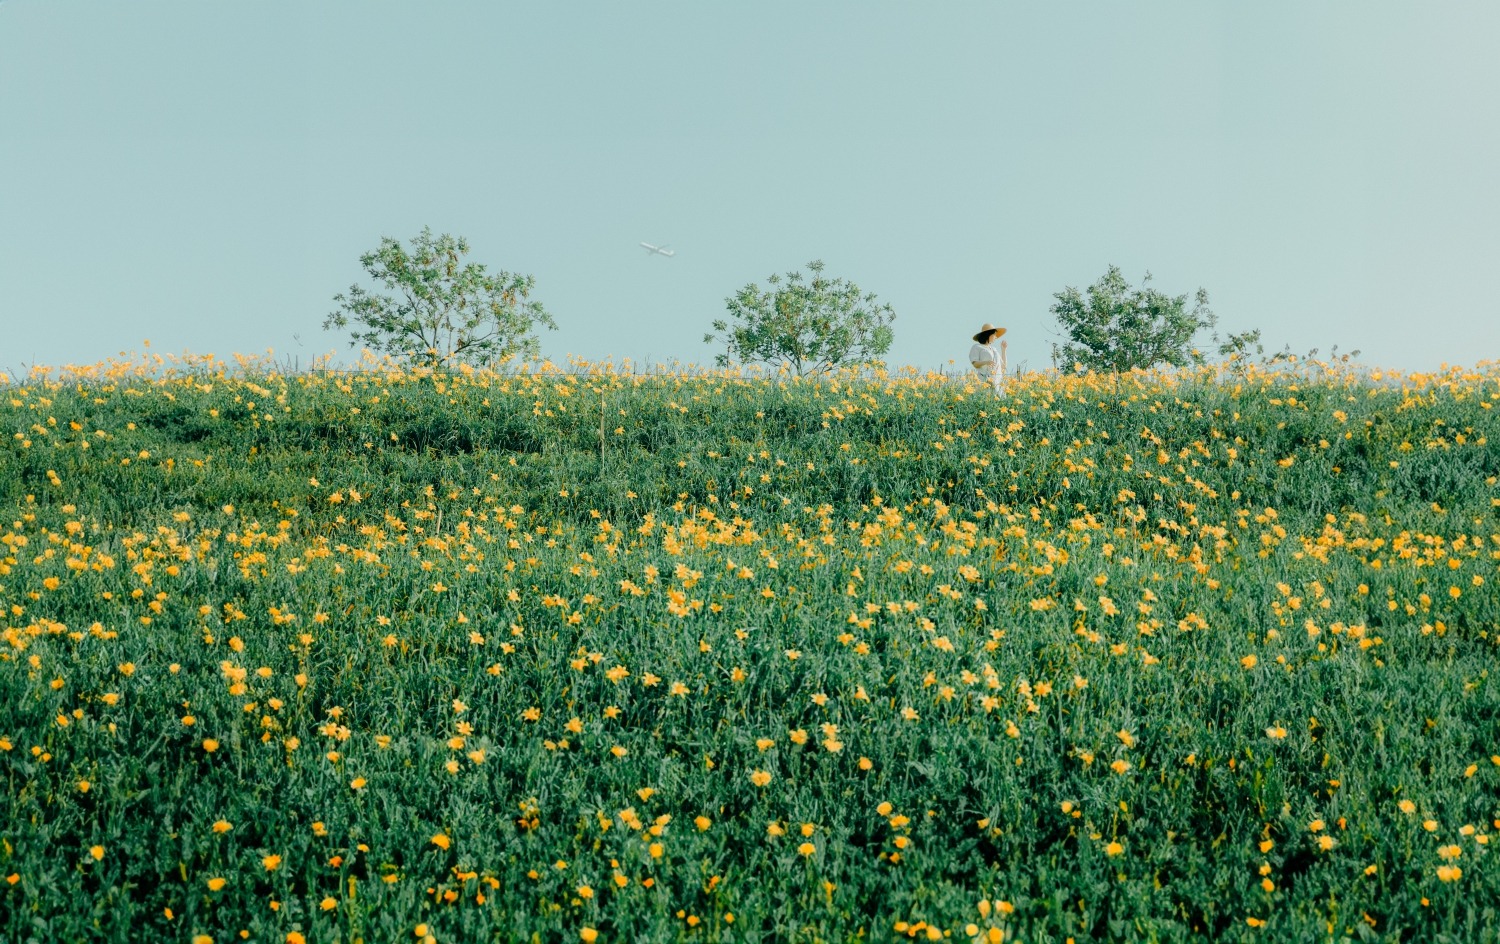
column 442, row 311
column 815, row 326
column 1119, row 328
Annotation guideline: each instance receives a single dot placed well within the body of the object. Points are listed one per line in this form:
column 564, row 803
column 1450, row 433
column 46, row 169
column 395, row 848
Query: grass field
column 400, row 656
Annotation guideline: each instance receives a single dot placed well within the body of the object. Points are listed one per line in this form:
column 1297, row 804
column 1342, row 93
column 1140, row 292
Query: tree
column 442, row 309
column 814, row 325
column 1117, row 328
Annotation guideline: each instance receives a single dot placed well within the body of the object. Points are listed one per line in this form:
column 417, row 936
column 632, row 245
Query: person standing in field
column 987, row 360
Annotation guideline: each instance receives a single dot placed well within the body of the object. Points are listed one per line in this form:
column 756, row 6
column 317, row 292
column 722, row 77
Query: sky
column 206, row 176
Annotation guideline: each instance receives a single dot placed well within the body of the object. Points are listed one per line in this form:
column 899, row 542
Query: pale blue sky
column 206, row 174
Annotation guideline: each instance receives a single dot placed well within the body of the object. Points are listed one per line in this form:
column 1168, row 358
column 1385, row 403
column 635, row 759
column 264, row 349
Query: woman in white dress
column 987, row 360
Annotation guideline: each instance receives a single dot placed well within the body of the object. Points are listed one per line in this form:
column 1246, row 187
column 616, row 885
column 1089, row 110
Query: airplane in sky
column 659, row 250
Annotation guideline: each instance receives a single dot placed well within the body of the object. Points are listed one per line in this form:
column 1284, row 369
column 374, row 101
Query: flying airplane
column 659, row 250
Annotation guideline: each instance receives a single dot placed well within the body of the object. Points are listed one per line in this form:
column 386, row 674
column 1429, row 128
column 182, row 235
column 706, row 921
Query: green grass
column 409, row 559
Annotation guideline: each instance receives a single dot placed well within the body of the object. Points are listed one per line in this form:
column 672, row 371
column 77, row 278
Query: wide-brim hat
column 987, row 332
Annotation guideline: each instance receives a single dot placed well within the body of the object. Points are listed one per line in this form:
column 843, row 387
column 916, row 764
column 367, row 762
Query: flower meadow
column 585, row 654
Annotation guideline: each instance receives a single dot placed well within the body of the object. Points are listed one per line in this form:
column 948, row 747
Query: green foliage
column 336, row 575
column 815, row 326
column 1119, row 328
column 443, row 310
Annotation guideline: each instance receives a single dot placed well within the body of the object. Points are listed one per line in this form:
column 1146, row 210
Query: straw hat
column 985, row 333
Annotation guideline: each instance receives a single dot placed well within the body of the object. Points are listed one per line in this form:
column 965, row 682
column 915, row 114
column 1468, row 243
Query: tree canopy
column 814, row 324
column 442, row 309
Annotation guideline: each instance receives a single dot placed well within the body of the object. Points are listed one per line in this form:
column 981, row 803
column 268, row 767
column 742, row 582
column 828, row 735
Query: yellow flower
column 1249, row 662
column 588, row 935
column 1114, row 849
column 215, row 884
column 441, row 841
column 222, row 826
column 807, row 848
column 1120, row 766
column 618, row 751
column 702, row 822
column 1407, row 806
column 328, row 904
column 271, row 862
column 358, row 783
column 97, row 852
column 1276, row 731
column 210, row 745
column 760, row 778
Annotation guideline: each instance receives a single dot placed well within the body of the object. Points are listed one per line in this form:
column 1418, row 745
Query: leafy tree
column 815, row 325
column 1119, row 328
column 443, row 309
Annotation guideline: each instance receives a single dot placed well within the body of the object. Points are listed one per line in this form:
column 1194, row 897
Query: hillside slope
column 384, row 655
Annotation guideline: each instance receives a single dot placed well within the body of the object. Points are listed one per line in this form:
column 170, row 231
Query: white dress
column 991, row 365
